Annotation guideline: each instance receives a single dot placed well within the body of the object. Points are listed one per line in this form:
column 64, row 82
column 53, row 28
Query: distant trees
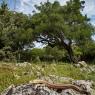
column 46, row 54
column 54, row 54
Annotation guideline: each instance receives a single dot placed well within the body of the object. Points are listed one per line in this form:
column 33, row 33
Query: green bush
column 7, row 55
column 2, row 54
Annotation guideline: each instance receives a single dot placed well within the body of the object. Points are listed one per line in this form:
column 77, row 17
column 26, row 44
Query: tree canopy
column 62, row 26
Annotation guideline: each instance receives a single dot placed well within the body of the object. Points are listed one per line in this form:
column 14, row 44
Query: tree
column 62, row 26
column 4, row 24
column 15, row 30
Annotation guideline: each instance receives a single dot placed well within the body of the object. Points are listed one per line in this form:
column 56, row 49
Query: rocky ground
column 38, row 89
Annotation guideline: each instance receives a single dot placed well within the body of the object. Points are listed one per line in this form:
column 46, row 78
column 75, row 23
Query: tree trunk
column 68, row 48
column 71, row 55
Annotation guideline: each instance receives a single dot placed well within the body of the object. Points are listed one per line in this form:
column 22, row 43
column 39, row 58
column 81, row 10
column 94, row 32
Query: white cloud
column 90, row 10
column 27, row 6
column 89, row 7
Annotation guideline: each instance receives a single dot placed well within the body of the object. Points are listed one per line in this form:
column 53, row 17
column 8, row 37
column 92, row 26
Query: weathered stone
column 41, row 89
column 24, row 64
column 86, row 85
column 82, row 64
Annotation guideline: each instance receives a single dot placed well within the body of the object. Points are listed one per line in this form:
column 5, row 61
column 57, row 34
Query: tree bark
column 71, row 55
column 67, row 47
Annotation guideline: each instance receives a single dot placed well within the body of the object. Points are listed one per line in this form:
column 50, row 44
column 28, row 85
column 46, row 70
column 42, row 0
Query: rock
column 85, row 85
column 27, row 63
column 70, row 92
column 66, row 80
column 38, row 89
column 55, row 79
column 24, row 64
column 41, row 89
column 24, row 90
column 82, row 64
column 77, row 65
column 88, row 69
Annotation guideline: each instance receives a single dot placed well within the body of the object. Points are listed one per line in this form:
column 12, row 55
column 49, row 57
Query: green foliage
column 62, row 26
column 7, row 55
column 54, row 54
column 47, row 54
column 54, row 18
column 37, row 59
column 26, row 56
column 59, row 27
column 77, row 52
column 89, row 51
column 15, row 32
column 37, row 52
column 2, row 55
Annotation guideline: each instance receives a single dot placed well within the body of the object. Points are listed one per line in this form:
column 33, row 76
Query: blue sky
column 27, row 6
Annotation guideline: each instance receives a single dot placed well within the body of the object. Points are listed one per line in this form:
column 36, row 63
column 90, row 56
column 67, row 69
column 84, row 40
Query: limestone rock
column 82, row 64
column 41, row 89
column 86, row 85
